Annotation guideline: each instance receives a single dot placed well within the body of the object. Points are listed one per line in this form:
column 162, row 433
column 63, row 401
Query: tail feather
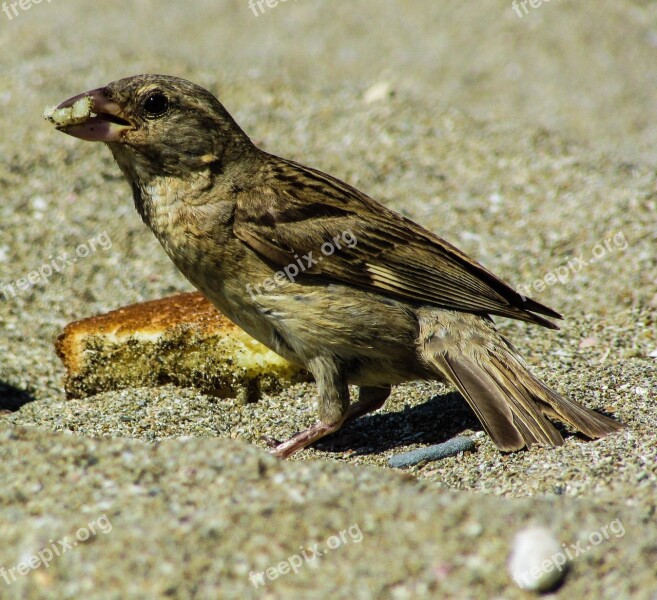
column 485, row 398
column 510, row 402
column 524, row 406
column 590, row 423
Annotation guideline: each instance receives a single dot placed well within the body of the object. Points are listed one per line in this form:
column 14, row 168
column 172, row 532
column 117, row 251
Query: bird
column 318, row 271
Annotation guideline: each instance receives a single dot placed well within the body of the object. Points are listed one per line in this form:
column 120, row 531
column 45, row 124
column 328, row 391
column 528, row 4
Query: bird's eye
column 156, row 104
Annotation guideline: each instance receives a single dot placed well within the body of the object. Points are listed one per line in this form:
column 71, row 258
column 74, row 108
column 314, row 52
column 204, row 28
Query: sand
column 526, row 141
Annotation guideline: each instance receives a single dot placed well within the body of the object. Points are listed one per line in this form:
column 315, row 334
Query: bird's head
column 154, row 125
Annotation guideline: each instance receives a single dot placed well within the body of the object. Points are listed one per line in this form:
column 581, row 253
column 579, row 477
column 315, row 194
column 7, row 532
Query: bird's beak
column 91, row 116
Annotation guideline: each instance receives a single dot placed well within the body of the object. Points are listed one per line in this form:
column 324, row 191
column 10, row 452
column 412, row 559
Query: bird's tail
column 511, row 403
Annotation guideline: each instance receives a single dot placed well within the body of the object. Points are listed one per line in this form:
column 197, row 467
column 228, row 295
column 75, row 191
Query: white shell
column 537, row 561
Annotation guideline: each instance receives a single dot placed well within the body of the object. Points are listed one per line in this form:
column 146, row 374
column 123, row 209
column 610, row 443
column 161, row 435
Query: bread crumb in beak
column 71, row 115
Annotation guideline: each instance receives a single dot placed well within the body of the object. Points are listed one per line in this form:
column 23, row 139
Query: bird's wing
column 325, row 227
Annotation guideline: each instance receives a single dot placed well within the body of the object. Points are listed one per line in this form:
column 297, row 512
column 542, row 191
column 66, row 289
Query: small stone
column 537, row 562
column 377, row 92
column 589, row 342
column 431, row 453
column 39, row 203
column 473, row 529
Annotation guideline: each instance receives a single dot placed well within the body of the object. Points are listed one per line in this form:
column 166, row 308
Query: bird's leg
column 333, row 406
column 369, row 400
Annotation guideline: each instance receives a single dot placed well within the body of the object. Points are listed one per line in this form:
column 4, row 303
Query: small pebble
column 537, row 562
column 437, row 452
column 377, row 92
column 589, row 342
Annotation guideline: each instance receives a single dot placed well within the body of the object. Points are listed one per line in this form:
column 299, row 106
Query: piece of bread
column 181, row 340
column 72, row 115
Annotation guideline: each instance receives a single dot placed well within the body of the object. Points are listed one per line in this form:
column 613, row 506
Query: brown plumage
column 376, row 300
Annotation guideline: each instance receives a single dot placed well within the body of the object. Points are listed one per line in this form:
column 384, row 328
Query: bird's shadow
column 12, row 398
column 437, row 420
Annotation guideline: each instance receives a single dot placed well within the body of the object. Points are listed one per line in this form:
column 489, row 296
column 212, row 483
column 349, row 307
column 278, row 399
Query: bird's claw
column 270, row 441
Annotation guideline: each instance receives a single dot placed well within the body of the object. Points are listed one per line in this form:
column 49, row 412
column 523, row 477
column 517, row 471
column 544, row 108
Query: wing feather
column 302, row 209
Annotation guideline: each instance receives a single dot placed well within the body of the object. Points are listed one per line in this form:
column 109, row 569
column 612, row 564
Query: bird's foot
column 303, row 439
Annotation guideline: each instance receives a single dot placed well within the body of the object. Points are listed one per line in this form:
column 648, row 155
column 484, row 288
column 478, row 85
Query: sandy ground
column 526, row 141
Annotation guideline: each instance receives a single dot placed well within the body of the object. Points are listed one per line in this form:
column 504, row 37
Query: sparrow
column 318, row 271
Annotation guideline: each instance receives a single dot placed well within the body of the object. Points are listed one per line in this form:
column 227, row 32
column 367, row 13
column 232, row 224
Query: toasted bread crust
column 181, row 339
